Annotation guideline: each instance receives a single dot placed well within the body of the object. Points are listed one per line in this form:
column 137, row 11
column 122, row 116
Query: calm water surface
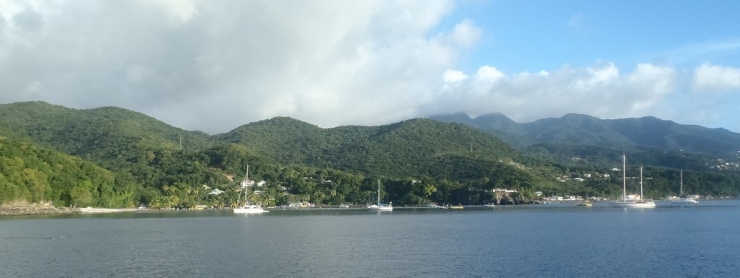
column 535, row 241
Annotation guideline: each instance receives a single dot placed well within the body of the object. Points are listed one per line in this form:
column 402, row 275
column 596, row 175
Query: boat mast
column 624, row 178
column 378, row 192
column 681, row 190
column 641, row 196
column 246, row 188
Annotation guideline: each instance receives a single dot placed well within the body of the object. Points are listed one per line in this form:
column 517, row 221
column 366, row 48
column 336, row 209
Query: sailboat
column 624, row 203
column 682, row 199
column 247, row 208
column 380, row 207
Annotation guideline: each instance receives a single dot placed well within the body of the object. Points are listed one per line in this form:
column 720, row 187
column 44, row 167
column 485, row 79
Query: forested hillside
column 34, row 174
column 103, row 135
column 113, row 157
column 410, row 148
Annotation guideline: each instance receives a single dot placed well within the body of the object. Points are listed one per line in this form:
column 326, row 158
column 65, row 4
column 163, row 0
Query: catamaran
column 682, row 199
column 624, row 203
column 380, row 207
column 247, row 207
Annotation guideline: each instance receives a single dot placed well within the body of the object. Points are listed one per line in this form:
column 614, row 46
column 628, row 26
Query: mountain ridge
column 625, row 133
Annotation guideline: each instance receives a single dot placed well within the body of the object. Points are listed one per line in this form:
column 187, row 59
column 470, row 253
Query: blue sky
column 545, row 35
column 530, row 36
column 215, row 65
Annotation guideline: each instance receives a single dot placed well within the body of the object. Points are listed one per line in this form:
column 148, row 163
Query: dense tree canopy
column 112, row 157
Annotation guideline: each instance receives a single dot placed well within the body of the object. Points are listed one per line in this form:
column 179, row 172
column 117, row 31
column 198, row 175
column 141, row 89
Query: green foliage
column 35, row 174
column 417, row 161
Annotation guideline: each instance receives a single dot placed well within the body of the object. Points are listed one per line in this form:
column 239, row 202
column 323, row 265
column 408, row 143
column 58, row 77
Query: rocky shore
column 8, row 210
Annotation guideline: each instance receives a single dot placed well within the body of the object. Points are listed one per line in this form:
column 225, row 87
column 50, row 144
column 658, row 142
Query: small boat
column 433, row 205
column 456, row 207
column 344, row 206
column 584, row 204
column 683, row 200
column 381, row 207
column 490, row 205
column 248, row 208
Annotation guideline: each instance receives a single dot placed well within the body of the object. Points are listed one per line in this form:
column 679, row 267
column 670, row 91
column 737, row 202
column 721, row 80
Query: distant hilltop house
column 616, row 169
column 252, row 183
column 504, row 190
column 247, row 183
column 215, row 192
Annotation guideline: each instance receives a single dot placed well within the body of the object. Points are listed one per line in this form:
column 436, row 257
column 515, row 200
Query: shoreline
column 16, row 210
column 21, row 210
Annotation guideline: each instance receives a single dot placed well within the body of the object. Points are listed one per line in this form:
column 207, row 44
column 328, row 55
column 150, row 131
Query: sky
column 216, row 65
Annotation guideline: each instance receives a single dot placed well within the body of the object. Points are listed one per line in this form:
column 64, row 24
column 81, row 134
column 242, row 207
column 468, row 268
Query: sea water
column 524, row 241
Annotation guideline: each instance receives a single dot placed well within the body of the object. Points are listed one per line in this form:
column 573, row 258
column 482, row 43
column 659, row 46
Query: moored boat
column 247, row 208
column 624, row 203
column 683, row 199
column 381, row 207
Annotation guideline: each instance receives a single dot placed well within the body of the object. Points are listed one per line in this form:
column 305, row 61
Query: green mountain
column 35, row 174
column 417, row 161
column 295, row 155
column 577, row 129
column 636, row 132
column 590, row 140
column 409, row 148
column 495, row 123
column 104, row 135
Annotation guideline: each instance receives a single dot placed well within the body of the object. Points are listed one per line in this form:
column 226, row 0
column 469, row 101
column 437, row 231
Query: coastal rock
column 35, row 210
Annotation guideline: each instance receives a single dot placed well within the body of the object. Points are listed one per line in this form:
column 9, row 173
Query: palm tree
column 319, row 196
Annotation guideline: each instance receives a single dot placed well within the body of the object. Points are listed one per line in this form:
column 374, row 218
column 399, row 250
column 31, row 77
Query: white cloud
column 599, row 91
column 716, row 78
column 490, row 74
column 216, row 65
column 465, row 34
column 453, row 76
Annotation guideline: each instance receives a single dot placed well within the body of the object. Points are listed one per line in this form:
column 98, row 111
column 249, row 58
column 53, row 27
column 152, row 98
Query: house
column 261, row 183
column 247, row 183
column 586, row 175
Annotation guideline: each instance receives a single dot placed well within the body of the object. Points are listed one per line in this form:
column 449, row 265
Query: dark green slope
column 576, row 129
column 36, row 174
column 281, row 139
column 103, row 135
column 620, row 134
column 408, row 148
column 646, row 132
column 495, row 123
column 654, row 132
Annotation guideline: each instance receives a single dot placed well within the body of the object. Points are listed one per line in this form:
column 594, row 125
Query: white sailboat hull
column 250, row 210
column 648, row 204
column 380, row 208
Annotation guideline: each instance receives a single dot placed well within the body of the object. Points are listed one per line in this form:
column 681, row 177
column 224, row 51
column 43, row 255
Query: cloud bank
column 213, row 66
column 599, row 91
